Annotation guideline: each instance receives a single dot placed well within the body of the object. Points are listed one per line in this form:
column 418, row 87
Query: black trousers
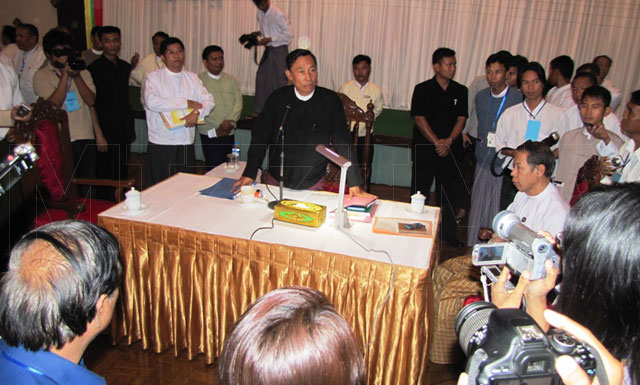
column 167, row 160
column 84, row 161
column 216, row 149
column 450, row 190
column 114, row 163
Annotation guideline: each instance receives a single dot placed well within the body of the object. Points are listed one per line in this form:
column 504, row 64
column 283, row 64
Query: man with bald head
column 58, row 295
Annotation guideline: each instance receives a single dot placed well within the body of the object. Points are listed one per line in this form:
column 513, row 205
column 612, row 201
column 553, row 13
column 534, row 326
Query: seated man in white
column 538, row 202
column 591, row 138
column 629, row 170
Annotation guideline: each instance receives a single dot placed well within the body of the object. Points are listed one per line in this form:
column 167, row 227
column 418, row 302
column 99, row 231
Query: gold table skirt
column 185, row 289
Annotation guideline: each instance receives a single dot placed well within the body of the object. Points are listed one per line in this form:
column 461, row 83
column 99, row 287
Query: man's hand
column 101, row 142
column 606, row 168
column 243, row 181
column 442, row 147
column 193, row 104
column 225, row 128
column 358, row 192
column 134, row 60
column 466, row 140
column 598, row 131
column 191, row 119
column 568, row 369
column 503, row 298
column 264, row 41
column 15, row 117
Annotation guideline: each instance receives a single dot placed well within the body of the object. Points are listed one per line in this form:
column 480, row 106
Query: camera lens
column 470, row 319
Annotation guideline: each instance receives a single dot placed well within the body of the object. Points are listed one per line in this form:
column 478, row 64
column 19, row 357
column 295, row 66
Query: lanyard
column 533, row 117
column 495, row 120
column 29, row 368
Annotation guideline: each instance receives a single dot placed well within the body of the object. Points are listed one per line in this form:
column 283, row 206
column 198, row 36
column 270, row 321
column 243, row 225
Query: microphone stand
column 273, row 203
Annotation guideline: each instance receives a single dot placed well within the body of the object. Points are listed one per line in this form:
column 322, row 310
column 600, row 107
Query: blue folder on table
column 222, row 189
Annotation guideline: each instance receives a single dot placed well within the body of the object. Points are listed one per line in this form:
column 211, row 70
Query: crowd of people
column 530, row 133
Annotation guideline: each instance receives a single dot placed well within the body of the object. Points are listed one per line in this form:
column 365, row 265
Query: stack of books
column 360, row 209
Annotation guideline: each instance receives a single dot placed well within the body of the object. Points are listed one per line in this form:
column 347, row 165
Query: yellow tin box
column 300, row 213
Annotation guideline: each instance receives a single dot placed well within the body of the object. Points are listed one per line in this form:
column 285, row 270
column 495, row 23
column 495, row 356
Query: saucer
column 135, row 212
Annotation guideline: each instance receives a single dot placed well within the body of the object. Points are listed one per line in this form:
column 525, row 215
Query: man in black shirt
column 316, row 117
column 115, row 116
column 439, row 110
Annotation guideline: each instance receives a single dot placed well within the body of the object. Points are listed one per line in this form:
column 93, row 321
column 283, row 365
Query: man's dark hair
column 601, row 245
column 497, row 58
column 257, row 2
column 589, row 67
column 33, row 30
column 597, row 92
column 56, row 276
column 360, row 58
column 209, row 50
column 535, row 67
column 635, row 97
column 169, row 41
column 505, row 53
column 95, row 31
column 10, row 32
column 108, row 29
column 519, row 62
column 587, row 75
column 538, row 153
column 161, row 34
column 595, row 59
column 441, row 53
column 55, row 38
column 564, row 64
column 296, row 53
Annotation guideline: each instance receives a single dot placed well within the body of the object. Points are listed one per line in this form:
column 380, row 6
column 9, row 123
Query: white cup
column 247, row 193
column 417, row 203
column 132, row 199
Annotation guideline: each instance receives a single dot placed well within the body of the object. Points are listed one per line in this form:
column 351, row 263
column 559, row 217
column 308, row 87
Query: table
column 190, row 270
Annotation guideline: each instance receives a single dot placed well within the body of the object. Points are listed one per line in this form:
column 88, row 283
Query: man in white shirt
column 561, row 70
column 165, row 91
column 276, row 36
column 592, row 138
column 28, row 59
column 630, row 151
column 10, row 95
column 533, row 119
column 362, row 91
column 150, row 63
column 538, row 202
column 604, row 63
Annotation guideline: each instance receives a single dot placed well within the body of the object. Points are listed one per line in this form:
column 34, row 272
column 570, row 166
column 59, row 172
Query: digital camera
column 507, row 347
column 73, row 59
column 526, row 250
column 249, row 39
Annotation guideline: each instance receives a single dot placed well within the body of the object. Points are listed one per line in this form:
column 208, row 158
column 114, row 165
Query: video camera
column 507, row 347
column 526, row 250
column 249, row 40
column 73, row 59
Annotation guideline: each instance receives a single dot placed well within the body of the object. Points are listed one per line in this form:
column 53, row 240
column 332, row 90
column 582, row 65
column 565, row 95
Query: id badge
column 71, row 103
column 533, row 130
column 491, row 140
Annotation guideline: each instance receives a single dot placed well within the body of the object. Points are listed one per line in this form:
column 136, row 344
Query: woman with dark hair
column 601, row 281
column 291, row 336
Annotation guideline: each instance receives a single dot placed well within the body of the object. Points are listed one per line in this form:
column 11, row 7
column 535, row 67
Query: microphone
column 550, row 140
column 287, row 108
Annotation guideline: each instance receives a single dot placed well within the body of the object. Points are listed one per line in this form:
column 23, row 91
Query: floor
column 130, row 364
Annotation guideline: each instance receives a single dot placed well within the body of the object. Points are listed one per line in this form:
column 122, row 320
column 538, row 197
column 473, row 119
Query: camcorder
column 526, row 250
column 507, row 347
column 73, row 59
column 249, row 40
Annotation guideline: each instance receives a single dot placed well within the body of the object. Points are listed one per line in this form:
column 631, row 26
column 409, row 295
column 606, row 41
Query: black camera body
column 506, row 346
column 73, row 59
column 249, row 40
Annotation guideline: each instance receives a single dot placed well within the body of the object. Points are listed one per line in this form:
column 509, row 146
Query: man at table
column 165, row 92
column 316, row 116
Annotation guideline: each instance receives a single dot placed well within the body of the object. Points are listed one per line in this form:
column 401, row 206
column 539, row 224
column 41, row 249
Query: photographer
column 71, row 89
column 600, row 251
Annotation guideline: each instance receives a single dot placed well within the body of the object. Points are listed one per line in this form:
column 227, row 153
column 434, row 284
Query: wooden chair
column 48, row 131
column 354, row 115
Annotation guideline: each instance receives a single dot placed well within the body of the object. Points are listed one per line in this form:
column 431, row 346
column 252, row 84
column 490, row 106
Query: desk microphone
column 287, row 108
